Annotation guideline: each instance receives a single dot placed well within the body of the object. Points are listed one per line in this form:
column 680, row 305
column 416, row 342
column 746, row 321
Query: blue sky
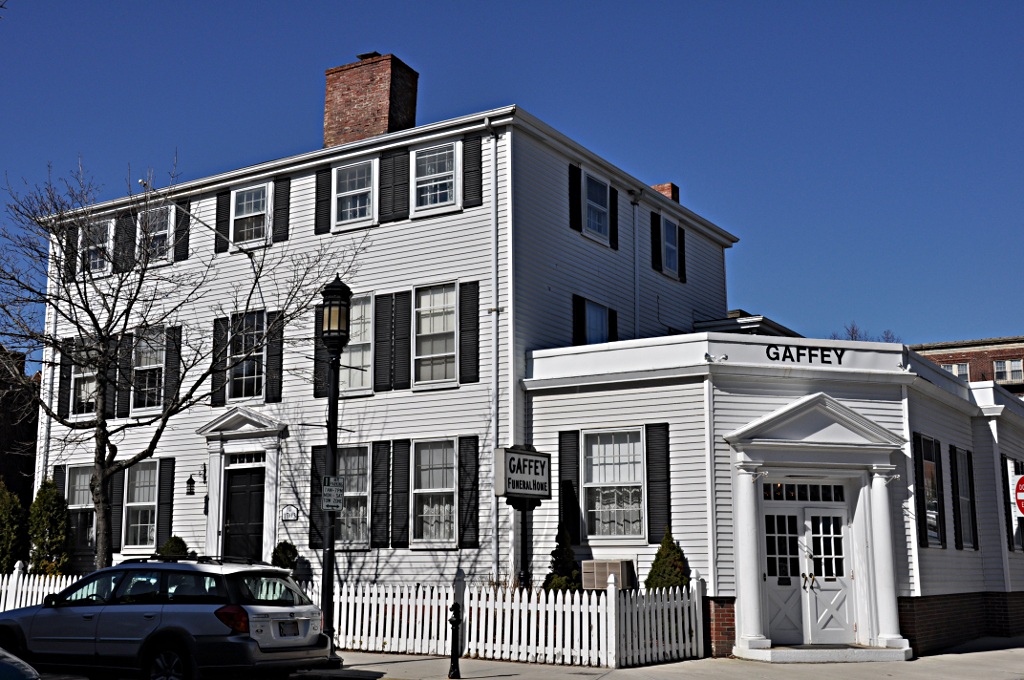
column 869, row 155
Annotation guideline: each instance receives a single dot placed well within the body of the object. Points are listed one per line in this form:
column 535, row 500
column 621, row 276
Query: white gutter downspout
column 49, row 394
column 709, row 482
column 495, row 312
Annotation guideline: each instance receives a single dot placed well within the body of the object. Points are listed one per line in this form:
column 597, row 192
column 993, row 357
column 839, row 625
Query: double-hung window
column 140, row 505
column 353, row 193
column 96, row 247
column 1010, row 370
column 83, row 377
column 931, row 505
column 613, row 486
column 965, row 497
column 356, row 373
column 595, row 197
column 249, row 214
column 353, row 520
column 435, row 326
column 148, row 368
column 959, row 370
column 433, row 491
column 155, row 233
column 597, row 323
column 434, row 173
column 670, row 247
column 246, row 356
column 80, row 505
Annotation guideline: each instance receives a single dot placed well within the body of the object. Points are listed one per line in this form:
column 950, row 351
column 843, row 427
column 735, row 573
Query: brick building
column 998, row 359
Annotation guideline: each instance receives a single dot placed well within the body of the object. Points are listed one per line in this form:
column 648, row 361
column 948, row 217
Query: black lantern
column 337, row 303
column 190, row 486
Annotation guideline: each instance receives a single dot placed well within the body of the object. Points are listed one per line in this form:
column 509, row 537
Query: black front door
column 243, row 514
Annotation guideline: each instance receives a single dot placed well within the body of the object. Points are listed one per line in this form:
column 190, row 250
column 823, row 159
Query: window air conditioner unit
column 595, row 574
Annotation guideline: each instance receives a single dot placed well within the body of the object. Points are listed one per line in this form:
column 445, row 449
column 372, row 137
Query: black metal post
column 524, row 552
column 330, row 470
column 456, row 621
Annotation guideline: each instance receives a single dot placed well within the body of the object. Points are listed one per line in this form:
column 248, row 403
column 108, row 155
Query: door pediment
column 241, row 423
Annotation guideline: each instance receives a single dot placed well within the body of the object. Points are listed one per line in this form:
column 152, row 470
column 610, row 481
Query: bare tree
column 853, row 331
column 82, row 286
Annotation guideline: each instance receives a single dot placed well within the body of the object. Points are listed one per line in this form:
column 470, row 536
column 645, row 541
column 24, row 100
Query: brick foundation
column 934, row 623
column 720, row 633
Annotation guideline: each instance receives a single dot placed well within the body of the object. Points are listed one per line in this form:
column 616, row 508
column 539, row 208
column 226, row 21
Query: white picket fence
column 20, row 589
column 608, row 628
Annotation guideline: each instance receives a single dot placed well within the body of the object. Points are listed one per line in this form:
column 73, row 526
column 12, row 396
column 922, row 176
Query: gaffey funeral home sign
column 520, row 473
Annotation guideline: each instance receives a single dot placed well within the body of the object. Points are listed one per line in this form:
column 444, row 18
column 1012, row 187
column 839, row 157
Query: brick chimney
column 376, row 94
column 668, row 190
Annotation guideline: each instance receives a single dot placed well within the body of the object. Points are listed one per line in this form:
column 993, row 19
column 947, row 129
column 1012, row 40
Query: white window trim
column 631, row 539
column 237, row 245
column 604, row 239
column 1008, row 366
column 456, row 204
column 142, row 410
column 261, row 354
column 77, row 507
column 667, row 222
column 435, row 384
column 83, row 269
column 337, row 225
column 339, row 542
column 141, row 241
column 432, row 544
column 368, row 389
column 954, row 368
column 127, row 547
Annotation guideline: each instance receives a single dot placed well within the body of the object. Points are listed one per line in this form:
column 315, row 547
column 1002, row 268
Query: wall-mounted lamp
column 190, row 486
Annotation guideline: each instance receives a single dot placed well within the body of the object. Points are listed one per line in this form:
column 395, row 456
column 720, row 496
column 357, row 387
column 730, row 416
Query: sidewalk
column 984, row 659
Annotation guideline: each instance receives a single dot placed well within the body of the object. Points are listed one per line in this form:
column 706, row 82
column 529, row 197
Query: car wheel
column 168, row 663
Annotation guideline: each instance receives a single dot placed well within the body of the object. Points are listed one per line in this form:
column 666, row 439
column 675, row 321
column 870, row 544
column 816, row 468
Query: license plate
column 288, row 628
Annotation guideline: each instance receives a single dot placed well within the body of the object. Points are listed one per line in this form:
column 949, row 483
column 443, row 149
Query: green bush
column 49, row 530
column 13, row 531
column 670, row 568
column 564, row 572
column 285, row 555
column 175, row 546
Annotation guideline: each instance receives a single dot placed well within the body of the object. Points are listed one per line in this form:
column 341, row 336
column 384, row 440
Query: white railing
column 19, row 589
column 610, row 628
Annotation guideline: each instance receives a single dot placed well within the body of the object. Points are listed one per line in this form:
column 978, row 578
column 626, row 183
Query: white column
column 749, row 621
column 885, row 572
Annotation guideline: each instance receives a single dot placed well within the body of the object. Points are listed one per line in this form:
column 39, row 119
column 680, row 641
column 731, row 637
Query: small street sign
column 333, row 497
column 1018, row 495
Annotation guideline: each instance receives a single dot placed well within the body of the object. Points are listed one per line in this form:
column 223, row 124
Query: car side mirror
column 50, row 600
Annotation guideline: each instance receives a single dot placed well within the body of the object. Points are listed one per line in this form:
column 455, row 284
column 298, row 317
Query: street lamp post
column 335, row 335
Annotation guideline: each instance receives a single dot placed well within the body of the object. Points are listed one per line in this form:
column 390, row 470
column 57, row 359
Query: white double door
column 806, row 574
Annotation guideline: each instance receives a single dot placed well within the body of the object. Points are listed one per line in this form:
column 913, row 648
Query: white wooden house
column 516, row 288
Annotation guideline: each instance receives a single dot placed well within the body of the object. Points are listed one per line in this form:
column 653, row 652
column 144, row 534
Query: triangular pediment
column 816, row 420
column 240, row 422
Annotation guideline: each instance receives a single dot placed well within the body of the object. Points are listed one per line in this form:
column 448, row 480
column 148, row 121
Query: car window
column 268, row 589
column 140, row 587
column 93, row 589
column 191, row 587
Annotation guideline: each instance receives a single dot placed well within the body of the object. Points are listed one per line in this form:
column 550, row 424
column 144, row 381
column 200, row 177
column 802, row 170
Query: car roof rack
column 198, row 559
column 227, row 559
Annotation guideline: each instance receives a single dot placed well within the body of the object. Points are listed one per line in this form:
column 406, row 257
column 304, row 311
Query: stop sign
column 1019, row 495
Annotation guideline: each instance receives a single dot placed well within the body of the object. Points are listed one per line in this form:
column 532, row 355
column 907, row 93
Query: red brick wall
column 979, row 360
column 370, row 97
column 721, row 635
column 934, row 623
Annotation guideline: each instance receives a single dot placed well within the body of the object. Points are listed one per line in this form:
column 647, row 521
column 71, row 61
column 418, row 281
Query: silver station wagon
column 172, row 619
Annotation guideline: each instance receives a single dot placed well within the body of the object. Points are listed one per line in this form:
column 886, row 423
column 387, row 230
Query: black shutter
column 575, row 198
column 469, row 332
column 275, row 357
column 223, row 222
column 124, row 243
column 469, row 492
column 60, row 478
column 218, row 379
column 974, row 507
column 380, row 494
column 181, row 229
column 400, row 494
column 659, row 514
column 111, row 361
column 403, row 341
column 613, row 325
column 116, row 491
column 579, row 320
column 321, row 360
column 382, row 342
column 472, row 172
column 322, row 213
column 282, row 207
column 165, row 501
column 568, row 484
column 954, row 480
column 919, row 499
column 64, row 389
column 656, row 242
column 940, row 491
column 71, row 253
column 172, row 365
column 317, row 519
column 394, row 185
column 1008, row 506
column 613, row 218
column 681, row 254
column 125, row 376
